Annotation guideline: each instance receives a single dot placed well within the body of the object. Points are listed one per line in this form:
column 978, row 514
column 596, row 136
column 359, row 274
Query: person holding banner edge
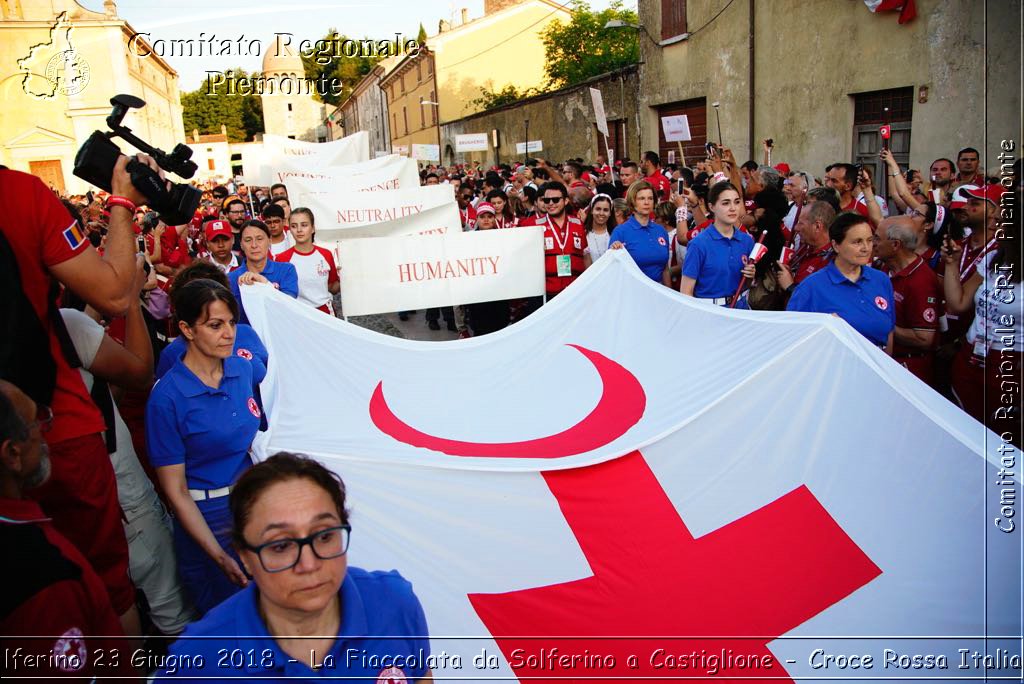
column 259, row 267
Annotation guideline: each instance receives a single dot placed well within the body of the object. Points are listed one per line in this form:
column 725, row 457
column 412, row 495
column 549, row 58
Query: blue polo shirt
column 373, row 604
column 280, row 273
column 867, row 304
column 247, row 346
column 715, row 262
column 209, row 430
column 648, row 245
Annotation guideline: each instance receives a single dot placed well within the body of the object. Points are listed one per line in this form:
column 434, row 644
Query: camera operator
column 46, row 245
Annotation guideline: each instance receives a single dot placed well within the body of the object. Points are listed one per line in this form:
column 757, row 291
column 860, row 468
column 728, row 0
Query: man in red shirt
column 843, row 179
column 81, row 495
column 653, row 175
column 565, row 241
column 815, row 251
column 917, row 294
column 57, row 620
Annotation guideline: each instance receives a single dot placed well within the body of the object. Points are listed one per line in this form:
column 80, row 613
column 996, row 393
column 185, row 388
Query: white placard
column 676, row 128
column 428, row 209
column 599, row 115
column 471, row 142
column 391, row 172
column 534, row 146
column 424, row 152
column 417, row 272
column 261, row 160
column 400, row 149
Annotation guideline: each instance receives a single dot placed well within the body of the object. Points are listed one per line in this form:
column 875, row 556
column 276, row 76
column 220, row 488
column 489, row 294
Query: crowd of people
column 129, row 404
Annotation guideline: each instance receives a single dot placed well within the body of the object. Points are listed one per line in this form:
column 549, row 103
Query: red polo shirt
column 919, row 305
column 53, row 592
column 808, row 260
column 42, row 234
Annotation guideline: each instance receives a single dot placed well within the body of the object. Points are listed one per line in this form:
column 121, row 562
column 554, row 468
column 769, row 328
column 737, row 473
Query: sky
column 197, row 20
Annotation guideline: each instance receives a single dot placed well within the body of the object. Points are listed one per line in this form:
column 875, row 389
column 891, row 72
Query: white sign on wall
column 424, row 152
column 534, row 146
column 471, row 142
column 418, row 272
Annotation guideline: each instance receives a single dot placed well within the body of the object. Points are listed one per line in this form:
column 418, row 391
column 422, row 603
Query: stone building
column 288, row 106
column 61, row 65
column 820, row 76
column 562, row 121
column 366, row 109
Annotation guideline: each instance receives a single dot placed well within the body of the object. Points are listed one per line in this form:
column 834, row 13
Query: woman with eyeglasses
column 201, row 419
column 292, row 531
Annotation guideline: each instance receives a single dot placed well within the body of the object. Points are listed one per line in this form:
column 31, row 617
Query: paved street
column 413, row 329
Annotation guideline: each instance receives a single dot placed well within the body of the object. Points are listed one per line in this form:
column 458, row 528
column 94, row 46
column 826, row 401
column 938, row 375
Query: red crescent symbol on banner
column 620, row 407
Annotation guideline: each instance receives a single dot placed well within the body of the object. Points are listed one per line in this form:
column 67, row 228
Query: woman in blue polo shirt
column 280, row 507
column 247, row 343
column 716, row 259
column 848, row 287
column 259, row 267
column 646, row 241
column 200, row 422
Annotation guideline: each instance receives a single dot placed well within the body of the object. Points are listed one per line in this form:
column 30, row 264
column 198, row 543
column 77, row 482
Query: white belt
column 204, row 494
column 718, row 301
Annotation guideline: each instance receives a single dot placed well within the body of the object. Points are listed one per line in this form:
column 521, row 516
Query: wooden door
column 49, row 171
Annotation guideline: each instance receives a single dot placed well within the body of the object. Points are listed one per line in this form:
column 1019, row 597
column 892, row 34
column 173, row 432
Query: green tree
column 213, row 104
column 339, row 69
column 421, row 37
column 508, row 95
column 584, row 48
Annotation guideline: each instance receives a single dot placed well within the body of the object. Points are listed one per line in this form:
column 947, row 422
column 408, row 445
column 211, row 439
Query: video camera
column 96, row 159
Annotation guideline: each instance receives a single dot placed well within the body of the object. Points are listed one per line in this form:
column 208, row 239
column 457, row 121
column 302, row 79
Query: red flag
column 906, row 8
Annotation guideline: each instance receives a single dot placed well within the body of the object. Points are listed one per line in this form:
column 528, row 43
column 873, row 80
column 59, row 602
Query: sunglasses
column 551, row 200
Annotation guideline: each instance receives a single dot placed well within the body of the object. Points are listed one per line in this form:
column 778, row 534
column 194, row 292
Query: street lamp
column 438, row 124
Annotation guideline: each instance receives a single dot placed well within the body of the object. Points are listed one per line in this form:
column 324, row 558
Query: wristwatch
column 893, row 175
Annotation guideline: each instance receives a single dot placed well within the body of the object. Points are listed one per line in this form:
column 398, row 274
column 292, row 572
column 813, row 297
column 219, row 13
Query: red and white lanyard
column 963, row 258
column 554, row 231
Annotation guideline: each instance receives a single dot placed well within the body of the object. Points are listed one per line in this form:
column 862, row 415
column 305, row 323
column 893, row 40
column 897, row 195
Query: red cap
column 782, row 167
column 959, row 198
column 990, row 193
column 485, row 208
column 218, row 228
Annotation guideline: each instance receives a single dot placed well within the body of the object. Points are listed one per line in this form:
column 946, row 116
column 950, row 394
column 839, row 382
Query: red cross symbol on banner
column 759, row 577
column 654, row 585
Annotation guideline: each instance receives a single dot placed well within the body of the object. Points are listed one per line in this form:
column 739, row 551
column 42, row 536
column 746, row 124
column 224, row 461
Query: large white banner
column 417, row 272
column 391, row 172
column 260, row 161
column 572, row 482
column 427, row 210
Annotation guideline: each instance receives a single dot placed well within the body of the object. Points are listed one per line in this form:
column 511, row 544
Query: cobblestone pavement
column 413, row 329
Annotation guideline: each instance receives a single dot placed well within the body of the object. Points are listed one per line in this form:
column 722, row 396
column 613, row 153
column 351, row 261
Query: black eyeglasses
column 551, row 200
column 283, row 554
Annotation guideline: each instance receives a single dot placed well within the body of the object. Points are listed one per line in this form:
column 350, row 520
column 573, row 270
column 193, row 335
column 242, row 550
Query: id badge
column 563, row 262
column 980, row 348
